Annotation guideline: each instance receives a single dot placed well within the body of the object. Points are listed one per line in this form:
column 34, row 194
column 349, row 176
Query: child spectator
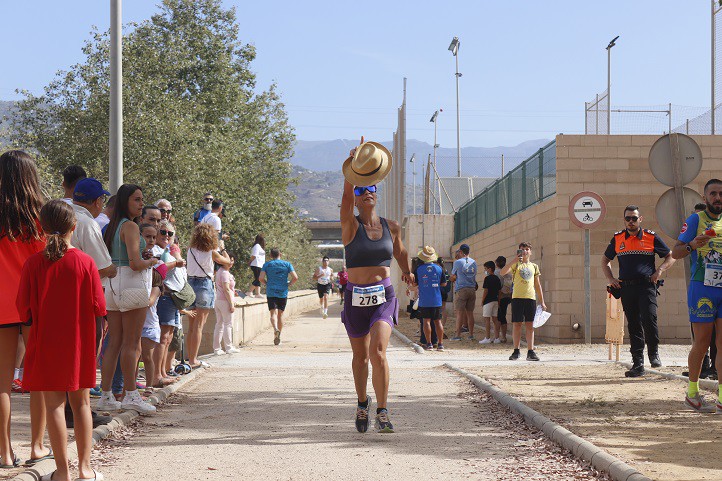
column 523, row 302
column 490, row 303
column 225, row 296
column 61, row 292
column 429, row 278
column 504, row 295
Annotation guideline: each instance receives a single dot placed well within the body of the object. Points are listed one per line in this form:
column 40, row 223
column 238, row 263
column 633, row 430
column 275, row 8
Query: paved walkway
column 287, row 412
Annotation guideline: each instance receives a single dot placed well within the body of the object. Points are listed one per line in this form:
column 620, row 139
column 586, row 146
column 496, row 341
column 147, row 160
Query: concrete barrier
column 251, row 317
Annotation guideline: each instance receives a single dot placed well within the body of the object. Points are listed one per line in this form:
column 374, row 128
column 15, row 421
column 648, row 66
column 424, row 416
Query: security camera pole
column 609, row 84
column 454, row 49
column 115, row 162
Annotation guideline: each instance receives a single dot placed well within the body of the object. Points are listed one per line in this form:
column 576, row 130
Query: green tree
column 193, row 121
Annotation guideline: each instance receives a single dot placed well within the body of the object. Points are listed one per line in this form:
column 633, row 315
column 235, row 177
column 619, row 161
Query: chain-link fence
column 595, row 115
column 527, row 184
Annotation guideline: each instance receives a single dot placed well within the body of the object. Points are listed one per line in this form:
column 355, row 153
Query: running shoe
column 440, row 347
column 514, row 355
column 531, row 356
column 95, row 392
column 325, row 315
column 455, row 338
column 362, row 416
column 472, row 338
column 486, row 340
column 18, row 387
column 428, row 347
column 219, row 352
column 107, row 402
column 383, row 425
column 277, row 338
column 700, row 404
column 497, row 341
column 232, row 350
column 464, row 329
column 133, row 401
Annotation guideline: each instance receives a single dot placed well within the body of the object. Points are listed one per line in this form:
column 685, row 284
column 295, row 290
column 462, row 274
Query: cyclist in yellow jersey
column 701, row 236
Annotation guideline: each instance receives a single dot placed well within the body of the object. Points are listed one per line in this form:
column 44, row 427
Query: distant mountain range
column 322, row 156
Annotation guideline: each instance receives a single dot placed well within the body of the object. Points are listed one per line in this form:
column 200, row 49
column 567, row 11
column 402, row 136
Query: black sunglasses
column 165, row 211
column 360, row 190
column 630, row 218
column 167, row 232
column 208, row 199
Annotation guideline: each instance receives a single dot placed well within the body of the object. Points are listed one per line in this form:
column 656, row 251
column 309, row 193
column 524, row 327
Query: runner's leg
column 379, row 341
column 702, row 335
column 360, row 364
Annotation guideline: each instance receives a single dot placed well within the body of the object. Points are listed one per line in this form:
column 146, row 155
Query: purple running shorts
column 358, row 320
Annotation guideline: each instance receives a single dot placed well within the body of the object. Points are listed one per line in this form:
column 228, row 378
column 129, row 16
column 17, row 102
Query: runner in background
column 342, row 280
column 323, row 277
column 275, row 276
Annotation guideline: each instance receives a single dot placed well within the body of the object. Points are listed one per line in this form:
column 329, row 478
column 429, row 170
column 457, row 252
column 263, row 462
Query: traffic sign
column 666, row 214
column 662, row 159
column 587, row 209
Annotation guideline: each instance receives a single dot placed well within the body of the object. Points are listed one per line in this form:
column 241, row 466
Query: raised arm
column 349, row 224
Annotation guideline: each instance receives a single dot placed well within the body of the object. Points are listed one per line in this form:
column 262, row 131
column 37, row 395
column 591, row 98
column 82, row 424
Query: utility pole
column 115, row 162
column 609, row 84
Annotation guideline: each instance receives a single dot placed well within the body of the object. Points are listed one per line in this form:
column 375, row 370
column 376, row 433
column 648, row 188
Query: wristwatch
column 688, row 247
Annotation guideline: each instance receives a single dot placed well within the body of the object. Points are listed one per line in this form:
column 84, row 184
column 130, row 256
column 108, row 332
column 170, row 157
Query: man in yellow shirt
column 527, row 285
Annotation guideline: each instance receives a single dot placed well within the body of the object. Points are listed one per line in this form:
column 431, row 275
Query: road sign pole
column 587, row 290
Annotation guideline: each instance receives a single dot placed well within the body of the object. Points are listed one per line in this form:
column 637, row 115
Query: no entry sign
column 587, row 209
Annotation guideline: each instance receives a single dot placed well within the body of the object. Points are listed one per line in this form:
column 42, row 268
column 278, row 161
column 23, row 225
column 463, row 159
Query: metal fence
column 533, row 181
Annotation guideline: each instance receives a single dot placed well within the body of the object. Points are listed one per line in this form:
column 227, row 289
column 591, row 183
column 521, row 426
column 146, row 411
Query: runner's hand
column 700, row 241
column 353, row 151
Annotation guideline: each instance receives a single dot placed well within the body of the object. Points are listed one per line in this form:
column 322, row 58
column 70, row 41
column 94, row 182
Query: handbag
column 133, row 290
column 183, row 298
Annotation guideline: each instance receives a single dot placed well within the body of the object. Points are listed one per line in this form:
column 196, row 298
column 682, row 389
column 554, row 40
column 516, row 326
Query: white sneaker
column 325, row 313
column 486, row 340
column 107, row 402
column 133, row 401
column 497, row 341
column 219, row 352
column 232, row 350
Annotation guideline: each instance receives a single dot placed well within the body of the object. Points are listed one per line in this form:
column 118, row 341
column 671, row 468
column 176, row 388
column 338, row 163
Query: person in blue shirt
column 463, row 275
column 430, row 279
column 274, row 275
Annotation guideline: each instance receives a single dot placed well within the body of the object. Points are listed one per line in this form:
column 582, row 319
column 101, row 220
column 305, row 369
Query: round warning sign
column 587, row 209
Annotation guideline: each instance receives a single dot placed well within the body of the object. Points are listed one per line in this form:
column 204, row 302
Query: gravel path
column 286, row 412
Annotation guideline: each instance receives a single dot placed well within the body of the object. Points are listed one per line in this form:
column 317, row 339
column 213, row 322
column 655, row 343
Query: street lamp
column 115, row 160
column 454, row 49
column 715, row 11
column 436, row 145
column 609, row 84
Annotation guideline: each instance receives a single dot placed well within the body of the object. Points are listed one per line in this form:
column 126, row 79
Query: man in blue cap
column 88, row 202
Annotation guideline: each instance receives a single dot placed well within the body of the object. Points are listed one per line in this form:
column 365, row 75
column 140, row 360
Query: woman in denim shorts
column 203, row 252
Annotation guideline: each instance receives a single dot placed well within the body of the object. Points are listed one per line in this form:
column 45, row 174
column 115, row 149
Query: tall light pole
column 609, row 84
column 115, row 161
column 413, row 176
column 715, row 11
column 454, row 49
column 436, row 145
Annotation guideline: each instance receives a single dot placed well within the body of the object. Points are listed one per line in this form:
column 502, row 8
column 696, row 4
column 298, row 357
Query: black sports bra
column 364, row 252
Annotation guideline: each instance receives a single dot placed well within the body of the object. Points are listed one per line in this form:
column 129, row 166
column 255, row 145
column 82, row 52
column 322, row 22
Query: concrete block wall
column 617, row 168
column 251, row 317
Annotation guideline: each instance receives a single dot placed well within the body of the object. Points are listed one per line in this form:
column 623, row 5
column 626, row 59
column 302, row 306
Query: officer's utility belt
column 637, row 282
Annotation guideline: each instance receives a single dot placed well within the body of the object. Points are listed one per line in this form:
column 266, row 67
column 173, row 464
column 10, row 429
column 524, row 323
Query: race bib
column 368, row 296
column 713, row 275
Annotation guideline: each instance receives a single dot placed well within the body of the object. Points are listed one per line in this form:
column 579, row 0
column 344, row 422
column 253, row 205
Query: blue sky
column 528, row 67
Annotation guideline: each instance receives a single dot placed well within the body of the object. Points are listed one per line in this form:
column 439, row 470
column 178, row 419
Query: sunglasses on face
column 360, row 190
column 208, row 199
column 630, row 218
column 169, row 233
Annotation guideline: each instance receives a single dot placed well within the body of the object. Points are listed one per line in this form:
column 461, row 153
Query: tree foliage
column 193, row 121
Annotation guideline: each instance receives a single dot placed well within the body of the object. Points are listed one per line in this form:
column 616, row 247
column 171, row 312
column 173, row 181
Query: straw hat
column 369, row 166
column 428, row 254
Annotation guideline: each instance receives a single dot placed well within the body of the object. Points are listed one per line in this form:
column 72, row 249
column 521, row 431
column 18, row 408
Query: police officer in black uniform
column 636, row 247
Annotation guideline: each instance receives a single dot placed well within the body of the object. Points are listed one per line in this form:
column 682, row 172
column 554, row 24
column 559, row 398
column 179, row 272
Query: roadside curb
column 707, row 384
column 603, row 461
column 408, row 342
column 101, row 432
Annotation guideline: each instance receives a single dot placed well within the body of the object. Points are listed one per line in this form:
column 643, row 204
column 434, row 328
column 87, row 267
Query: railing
column 529, row 183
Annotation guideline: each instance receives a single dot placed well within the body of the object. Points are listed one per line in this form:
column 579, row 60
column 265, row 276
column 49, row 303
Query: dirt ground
column 642, row 421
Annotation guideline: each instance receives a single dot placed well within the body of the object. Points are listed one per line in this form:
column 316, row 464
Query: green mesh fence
column 529, row 183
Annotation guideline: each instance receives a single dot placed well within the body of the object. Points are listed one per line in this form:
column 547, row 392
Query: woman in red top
column 20, row 237
column 60, row 290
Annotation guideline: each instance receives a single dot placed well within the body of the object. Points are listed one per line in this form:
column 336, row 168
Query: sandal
column 98, row 477
column 15, row 464
column 33, row 461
